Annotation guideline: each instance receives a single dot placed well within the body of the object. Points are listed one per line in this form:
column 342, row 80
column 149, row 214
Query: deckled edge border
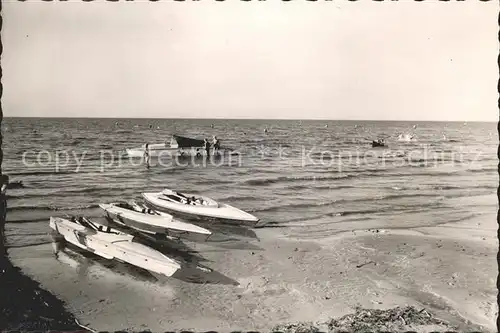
column 2, row 196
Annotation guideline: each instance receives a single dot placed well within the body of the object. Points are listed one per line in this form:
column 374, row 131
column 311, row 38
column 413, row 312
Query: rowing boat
column 178, row 146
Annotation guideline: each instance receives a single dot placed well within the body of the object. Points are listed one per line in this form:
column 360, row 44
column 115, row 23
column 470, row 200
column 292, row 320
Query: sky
column 364, row 60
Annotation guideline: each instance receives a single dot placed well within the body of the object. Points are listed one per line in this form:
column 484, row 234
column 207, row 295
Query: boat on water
column 112, row 244
column 378, row 143
column 195, row 206
column 145, row 219
column 178, row 146
column 15, row 184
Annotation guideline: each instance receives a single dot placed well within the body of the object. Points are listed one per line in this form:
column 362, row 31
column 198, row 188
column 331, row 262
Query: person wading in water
column 216, row 144
column 207, row 147
column 146, row 155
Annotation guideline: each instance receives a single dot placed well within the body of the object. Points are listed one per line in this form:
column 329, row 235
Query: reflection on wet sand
column 192, row 271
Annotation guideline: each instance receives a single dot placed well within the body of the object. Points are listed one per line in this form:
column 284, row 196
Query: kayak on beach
column 196, row 206
column 112, row 244
column 147, row 220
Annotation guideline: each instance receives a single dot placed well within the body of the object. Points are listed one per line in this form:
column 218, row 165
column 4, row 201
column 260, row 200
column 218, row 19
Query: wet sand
column 450, row 270
column 24, row 306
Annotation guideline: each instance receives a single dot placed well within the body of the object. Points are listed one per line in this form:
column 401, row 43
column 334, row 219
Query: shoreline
column 25, row 306
column 283, row 281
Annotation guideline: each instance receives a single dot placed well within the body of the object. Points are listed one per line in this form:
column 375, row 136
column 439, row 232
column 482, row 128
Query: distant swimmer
column 414, row 126
column 212, row 125
column 150, row 126
column 265, row 130
column 444, row 137
column 326, row 125
column 405, row 137
column 146, row 155
column 116, row 124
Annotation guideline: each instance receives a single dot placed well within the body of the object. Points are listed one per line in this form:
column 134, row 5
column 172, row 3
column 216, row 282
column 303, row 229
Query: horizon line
column 269, row 119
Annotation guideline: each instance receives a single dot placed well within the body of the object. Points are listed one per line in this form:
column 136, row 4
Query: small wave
column 267, row 181
column 41, row 173
column 406, row 209
column 76, row 141
column 27, row 245
column 291, row 206
column 241, row 197
column 299, row 187
column 340, row 201
column 445, row 187
column 25, row 196
column 430, row 187
column 356, row 212
column 49, row 208
column 483, row 170
column 329, row 187
column 213, row 182
column 398, row 196
column 414, row 174
column 28, row 220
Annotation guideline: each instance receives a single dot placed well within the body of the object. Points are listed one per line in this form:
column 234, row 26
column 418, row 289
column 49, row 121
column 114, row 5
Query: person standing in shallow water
column 216, row 145
column 146, row 155
column 207, row 147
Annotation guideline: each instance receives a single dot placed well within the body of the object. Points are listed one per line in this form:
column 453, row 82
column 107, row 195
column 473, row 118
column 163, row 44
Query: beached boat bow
column 112, row 244
column 147, row 220
column 197, row 206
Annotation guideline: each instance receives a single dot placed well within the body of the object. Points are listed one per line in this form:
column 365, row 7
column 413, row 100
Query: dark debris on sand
column 392, row 319
column 24, row 306
column 398, row 319
column 304, row 327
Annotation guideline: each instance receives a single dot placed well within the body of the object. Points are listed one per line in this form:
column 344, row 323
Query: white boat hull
column 115, row 246
column 218, row 211
column 150, row 223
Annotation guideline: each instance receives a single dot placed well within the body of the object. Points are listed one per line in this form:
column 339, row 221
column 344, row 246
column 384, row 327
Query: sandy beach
column 449, row 270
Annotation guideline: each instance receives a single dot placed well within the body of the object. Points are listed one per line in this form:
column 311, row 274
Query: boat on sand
column 145, row 219
column 195, row 206
column 113, row 244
